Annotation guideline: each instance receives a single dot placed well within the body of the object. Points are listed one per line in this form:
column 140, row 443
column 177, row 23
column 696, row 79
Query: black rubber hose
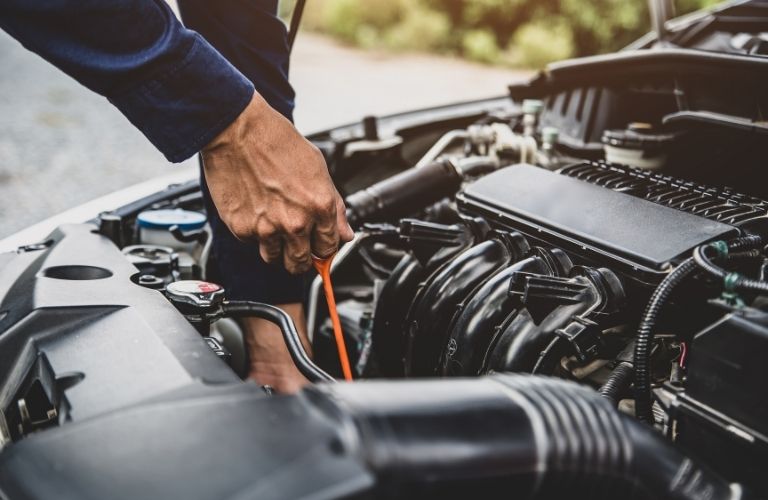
column 618, row 382
column 507, row 435
column 645, row 332
column 403, row 194
column 244, row 308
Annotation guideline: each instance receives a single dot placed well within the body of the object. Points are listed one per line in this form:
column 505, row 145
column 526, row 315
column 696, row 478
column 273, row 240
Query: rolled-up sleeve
column 167, row 80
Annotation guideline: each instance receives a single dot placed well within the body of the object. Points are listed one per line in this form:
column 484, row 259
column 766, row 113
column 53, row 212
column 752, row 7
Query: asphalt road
column 61, row 145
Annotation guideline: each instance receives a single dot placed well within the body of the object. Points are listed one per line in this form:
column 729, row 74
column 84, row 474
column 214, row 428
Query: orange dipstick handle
column 323, row 267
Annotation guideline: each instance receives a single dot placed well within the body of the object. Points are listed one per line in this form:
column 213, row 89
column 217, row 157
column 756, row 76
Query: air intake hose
column 507, row 436
column 403, row 194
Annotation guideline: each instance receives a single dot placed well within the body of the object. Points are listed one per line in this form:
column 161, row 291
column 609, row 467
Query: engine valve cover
column 640, row 237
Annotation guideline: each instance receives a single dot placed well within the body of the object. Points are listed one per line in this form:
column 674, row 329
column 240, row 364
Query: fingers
column 296, row 253
column 331, row 229
column 325, row 233
column 270, row 248
column 296, row 237
column 289, row 244
column 345, row 230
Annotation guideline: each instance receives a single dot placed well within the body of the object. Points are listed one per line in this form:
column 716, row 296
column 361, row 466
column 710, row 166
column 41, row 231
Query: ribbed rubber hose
column 618, row 382
column 645, row 332
column 644, row 340
column 245, row 308
column 507, row 436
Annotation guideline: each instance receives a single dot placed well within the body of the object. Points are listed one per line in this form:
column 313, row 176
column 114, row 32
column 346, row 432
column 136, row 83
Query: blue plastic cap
column 164, row 219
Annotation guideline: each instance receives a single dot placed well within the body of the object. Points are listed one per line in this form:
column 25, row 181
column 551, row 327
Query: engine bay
column 561, row 266
column 563, row 287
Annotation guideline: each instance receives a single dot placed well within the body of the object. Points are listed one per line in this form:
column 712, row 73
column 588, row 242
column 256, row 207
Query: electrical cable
column 618, row 382
column 645, row 332
column 731, row 280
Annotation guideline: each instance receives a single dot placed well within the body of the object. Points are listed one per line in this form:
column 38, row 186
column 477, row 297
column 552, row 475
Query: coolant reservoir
column 155, row 227
column 639, row 145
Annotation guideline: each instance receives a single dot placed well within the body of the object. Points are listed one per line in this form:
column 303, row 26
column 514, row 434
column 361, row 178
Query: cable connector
column 733, row 299
column 731, row 281
column 720, row 247
column 729, row 295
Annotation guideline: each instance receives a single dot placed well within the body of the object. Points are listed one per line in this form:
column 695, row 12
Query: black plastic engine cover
column 641, row 238
column 77, row 340
column 197, row 443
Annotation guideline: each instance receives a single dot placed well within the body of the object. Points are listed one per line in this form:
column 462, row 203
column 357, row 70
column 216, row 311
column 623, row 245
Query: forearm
column 167, row 80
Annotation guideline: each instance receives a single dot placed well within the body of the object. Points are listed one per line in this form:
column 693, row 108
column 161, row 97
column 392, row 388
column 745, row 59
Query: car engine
column 604, row 232
column 563, row 291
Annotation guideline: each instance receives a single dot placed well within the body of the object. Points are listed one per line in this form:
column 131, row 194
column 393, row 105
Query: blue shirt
column 166, row 79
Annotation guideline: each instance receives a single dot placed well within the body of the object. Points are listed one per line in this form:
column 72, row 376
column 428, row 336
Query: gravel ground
column 61, row 145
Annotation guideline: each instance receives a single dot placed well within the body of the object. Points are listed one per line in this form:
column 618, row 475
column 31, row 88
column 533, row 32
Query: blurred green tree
column 513, row 32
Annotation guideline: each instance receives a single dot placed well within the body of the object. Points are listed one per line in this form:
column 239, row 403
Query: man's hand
column 271, row 185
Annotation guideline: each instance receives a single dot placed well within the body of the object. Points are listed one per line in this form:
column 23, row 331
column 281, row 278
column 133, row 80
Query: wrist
column 249, row 117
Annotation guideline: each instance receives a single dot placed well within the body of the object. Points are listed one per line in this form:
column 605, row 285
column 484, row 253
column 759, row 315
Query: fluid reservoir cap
column 532, row 106
column 186, row 220
column 638, row 136
column 193, row 296
column 549, row 135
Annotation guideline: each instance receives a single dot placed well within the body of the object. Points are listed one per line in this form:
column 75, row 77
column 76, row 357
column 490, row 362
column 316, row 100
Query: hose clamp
column 720, row 247
column 729, row 295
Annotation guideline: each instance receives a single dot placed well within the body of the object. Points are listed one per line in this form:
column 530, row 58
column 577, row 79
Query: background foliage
column 527, row 33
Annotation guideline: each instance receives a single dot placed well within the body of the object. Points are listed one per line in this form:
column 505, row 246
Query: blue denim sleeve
column 167, row 80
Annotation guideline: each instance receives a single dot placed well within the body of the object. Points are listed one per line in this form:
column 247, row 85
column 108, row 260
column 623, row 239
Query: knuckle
column 326, row 205
column 266, row 231
column 300, row 256
column 295, row 266
column 325, row 231
column 269, row 257
column 297, row 226
column 340, row 205
column 266, row 257
column 325, row 247
column 240, row 229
